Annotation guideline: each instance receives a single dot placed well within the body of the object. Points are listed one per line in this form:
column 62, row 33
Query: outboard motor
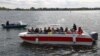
column 3, row 25
column 94, row 35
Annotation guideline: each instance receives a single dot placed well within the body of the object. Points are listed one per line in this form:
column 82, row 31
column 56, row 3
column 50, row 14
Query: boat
column 62, row 38
column 19, row 24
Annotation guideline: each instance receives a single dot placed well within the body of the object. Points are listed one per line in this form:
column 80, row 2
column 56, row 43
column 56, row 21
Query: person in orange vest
column 80, row 31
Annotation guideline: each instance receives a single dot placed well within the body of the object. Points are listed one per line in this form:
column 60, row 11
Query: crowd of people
column 59, row 30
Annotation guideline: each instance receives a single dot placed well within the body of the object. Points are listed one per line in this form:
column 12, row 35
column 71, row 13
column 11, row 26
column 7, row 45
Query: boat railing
column 54, row 35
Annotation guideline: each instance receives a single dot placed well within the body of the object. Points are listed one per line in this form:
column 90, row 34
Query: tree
column 32, row 8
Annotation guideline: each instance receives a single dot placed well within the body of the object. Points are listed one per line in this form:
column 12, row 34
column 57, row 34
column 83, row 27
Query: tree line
column 33, row 8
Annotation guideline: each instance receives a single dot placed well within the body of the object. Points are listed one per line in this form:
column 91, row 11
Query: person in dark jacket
column 7, row 23
column 66, row 29
column 45, row 30
column 74, row 27
column 36, row 30
column 49, row 30
column 57, row 29
column 61, row 29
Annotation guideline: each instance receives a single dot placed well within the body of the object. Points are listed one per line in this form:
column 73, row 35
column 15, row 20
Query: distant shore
column 48, row 9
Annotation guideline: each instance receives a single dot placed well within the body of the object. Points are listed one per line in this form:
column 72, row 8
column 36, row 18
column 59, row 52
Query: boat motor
column 94, row 35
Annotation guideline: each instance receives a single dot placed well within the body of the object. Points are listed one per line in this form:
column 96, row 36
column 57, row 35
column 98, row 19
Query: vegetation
column 3, row 8
column 32, row 8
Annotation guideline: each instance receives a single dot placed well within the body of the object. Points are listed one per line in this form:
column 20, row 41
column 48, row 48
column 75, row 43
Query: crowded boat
column 50, row 35
column 60, row 30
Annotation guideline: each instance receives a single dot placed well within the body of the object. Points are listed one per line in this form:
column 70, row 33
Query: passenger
column 36, row 30
column 80, row 31
column 74, row 27
column 7, row 23
column 53, row 30
column 72, row 30
column 29, row 30
column 40, row 30
column 45, row 30
column 66, row 29
column 61, row 29
column 49, row 30
column 32, row 29
column 57, row 29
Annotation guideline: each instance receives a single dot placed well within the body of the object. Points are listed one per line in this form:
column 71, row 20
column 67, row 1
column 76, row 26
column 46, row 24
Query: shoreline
column 49, row 10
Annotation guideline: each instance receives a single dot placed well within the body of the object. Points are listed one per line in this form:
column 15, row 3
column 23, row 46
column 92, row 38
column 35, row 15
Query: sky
column 49, row 3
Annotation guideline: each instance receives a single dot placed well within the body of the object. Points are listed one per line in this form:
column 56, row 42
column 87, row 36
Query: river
column 12, row 45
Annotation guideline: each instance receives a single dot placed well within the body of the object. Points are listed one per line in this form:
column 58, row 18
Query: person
column 29, row 30
column 61, row 29
column 80, row 31
column 53, row 30
column 37, row 30
column 66, row 29
column 49, row 30
column 74, row 27
column 40, row 30
column 7, row 23
column 45, row 30
column 57, row 29
column 71, row 31
column 32, row 29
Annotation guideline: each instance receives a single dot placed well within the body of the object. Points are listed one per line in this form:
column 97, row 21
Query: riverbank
column 48, row 9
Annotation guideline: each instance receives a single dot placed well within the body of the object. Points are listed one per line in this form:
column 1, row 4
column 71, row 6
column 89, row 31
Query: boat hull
column 14, row 26
column 56, row 39
column 58, row 43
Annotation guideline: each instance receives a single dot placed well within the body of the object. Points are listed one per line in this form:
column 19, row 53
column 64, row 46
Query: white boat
column 59, row 38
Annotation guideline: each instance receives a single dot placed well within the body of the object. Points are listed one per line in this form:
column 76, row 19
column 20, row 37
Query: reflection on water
column 59, row 50
column 14, row 29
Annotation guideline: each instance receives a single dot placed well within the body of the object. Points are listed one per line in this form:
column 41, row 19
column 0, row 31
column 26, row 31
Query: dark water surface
column 12, row 45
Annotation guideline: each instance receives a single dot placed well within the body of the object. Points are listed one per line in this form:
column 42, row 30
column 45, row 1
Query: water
column 12, row 45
